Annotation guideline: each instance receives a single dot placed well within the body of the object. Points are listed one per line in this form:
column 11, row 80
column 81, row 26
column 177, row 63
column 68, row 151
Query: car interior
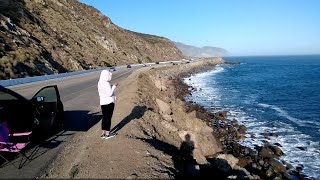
column 42, row 113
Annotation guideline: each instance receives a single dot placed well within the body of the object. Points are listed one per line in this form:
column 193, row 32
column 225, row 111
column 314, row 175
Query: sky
column 242, row 27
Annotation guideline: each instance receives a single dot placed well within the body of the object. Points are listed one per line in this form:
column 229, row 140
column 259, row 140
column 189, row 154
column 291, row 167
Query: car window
column 7, row 96
column 49, row 94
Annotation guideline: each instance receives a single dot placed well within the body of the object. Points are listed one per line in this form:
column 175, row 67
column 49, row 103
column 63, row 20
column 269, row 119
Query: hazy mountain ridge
column 206, row 51
column 53, row 36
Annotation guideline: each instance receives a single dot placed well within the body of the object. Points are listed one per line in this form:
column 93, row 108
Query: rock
column 198, row 156
column 244, row 161
column 221, row 115
column 277, row 144
column 261, row 162
column 192, row 170
column 266, row 152
column 242, row 129
column 167, row 117
column 299, row 168
column 223, row 131
column 276, row 150
column 164, row 107
column 277, row 165
column 169, row 126
column 220, row 165
column 254, row 165
column 242, row 173
column 302, row 148
column 133, row 176
column 267, row 134
column 289, row 166
column 232, row 177
column 160, row 85
column 269, row 173
column 287, row 176
column 232, row 161
column 247, row 151
column 205, row 142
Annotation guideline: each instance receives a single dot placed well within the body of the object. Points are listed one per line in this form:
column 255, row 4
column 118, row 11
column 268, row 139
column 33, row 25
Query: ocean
column 276, row 97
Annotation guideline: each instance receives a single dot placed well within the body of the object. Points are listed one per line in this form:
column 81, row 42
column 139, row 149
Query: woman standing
column 107, row 99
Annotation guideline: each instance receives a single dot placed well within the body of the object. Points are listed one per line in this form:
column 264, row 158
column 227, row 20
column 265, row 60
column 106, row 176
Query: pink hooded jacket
column 106, row 91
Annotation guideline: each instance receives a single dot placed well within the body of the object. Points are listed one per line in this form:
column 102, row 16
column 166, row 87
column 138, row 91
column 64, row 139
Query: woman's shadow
column 136, row 113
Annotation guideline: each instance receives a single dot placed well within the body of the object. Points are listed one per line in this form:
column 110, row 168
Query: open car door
column 48, row 109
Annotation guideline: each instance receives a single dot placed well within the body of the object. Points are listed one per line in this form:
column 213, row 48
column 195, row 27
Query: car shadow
column 36, row 148
column 136, row 113
column 80, row 120
column 41, row 142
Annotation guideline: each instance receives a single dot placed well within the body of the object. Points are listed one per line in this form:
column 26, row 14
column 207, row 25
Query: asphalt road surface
column 80, row 98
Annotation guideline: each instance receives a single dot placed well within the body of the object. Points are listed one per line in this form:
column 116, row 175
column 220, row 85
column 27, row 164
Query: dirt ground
column 151, row 126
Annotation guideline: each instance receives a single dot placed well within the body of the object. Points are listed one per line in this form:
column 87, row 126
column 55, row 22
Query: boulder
column 204, row 144
column 266, row 152
column 167, row 117
column 276, row 150
column 232, row 161
column 160, row 85
column 164, row 107
column 169, row 126
column 277, row 165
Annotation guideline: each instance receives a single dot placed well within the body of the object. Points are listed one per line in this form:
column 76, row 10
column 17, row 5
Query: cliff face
column 40, row 37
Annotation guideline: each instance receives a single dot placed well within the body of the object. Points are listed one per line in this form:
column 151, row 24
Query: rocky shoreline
column 226, row 159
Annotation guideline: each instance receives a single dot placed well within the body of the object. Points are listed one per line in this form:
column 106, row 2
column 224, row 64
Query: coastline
column 261, row 162
column 162, row 136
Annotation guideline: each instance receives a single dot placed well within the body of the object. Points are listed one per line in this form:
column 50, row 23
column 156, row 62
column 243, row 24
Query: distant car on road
column 112, row 69
column 128, row 66
column 143, row 65
column 41, row 114
column 157, row 63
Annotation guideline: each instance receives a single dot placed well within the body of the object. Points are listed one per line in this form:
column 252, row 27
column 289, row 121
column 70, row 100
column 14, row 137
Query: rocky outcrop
column 55, row 36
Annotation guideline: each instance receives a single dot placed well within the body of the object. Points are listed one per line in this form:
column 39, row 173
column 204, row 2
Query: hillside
column 206, row 51
column 41, row 37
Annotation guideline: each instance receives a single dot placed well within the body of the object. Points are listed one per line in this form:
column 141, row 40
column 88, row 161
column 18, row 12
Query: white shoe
column 109, row 136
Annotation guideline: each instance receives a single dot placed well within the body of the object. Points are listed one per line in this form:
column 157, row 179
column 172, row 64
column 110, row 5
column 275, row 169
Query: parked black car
column 112, row 69
column 41, row 114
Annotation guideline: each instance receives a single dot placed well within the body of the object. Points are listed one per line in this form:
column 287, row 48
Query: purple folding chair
column 16, row 146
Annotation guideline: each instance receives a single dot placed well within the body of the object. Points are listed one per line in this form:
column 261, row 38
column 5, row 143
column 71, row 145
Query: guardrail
column 12, row 82
column 18, row 81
